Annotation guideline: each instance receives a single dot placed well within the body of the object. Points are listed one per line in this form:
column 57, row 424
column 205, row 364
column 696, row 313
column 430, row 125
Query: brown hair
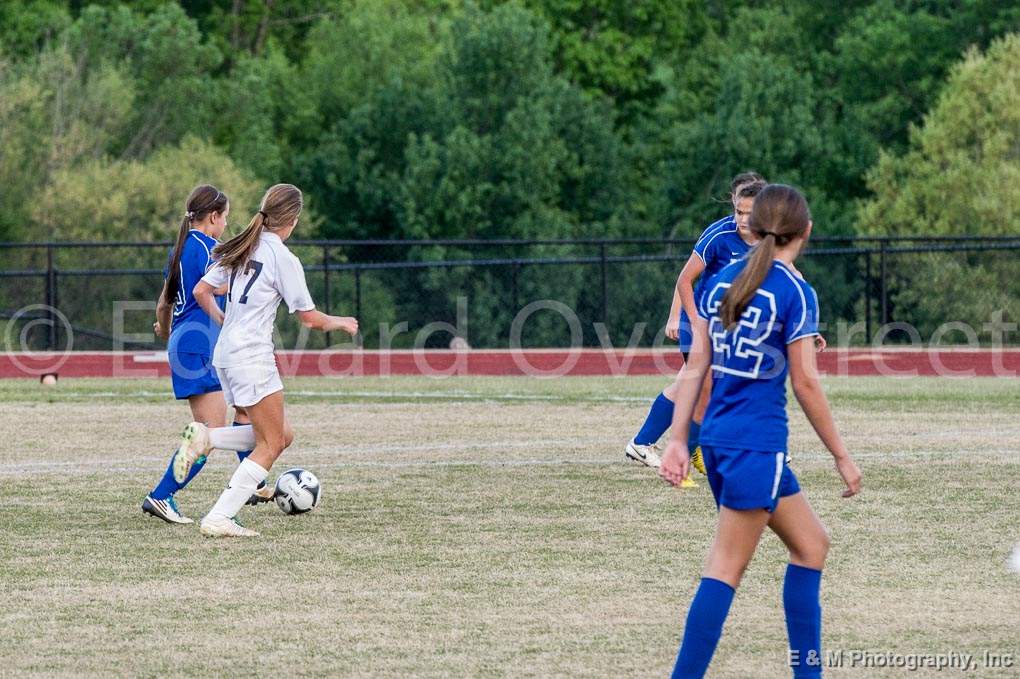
column 204, row 200
column 280, row 207
column 749, row 189
column 779, row 215
column 749, row 177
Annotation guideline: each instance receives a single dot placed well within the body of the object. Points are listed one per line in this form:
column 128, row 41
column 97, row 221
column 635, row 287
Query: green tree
column 959, row 176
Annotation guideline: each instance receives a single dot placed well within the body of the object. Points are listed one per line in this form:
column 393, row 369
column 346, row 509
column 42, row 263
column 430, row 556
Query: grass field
column 488, row 527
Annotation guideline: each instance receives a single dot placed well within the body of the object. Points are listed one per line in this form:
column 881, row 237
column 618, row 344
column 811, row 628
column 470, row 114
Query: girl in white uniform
column 259, row 272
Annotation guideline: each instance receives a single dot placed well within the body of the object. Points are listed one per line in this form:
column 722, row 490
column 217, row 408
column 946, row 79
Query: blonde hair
column 280, row 207
column 779, row 215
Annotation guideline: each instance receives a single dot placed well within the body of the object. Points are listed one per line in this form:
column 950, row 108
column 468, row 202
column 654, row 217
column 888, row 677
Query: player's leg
column 272, row 435
column 804, row 535
column 265, row 492
column 208, row 408
column 642, row 448
column 736, row 538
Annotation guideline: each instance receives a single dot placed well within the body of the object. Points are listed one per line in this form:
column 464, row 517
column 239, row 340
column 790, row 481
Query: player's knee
column 288, row 436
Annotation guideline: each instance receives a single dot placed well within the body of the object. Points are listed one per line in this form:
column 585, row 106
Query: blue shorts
column 685, row 336
column 748, row 479
column 192, row 374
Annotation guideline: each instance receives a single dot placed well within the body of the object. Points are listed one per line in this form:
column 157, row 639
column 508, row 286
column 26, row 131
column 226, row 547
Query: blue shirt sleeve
column 802, row 313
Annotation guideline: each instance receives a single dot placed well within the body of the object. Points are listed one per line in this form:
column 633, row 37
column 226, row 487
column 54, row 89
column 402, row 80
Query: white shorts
column 248, row 384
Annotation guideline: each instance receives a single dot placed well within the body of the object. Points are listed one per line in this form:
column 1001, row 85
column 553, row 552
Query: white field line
column 131, row 465
column 440, row 395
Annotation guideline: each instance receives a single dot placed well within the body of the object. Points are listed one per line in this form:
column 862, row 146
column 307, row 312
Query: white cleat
column 225, row 528
column 194, row 444
column 164, row 509
column 646, row 455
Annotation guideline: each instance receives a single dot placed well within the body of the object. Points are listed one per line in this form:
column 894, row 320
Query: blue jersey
column 747, row 409
column 191, row 329
column 718, row 245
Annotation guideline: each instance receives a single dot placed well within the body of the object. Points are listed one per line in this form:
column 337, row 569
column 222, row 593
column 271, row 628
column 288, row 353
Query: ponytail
column 280, row 208
column 779, row 215
column 204, row 200
column 747, row 283
column 173, row 274
column 236, row 252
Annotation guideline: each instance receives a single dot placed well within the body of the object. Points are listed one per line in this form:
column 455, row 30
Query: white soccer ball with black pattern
column 297, row 491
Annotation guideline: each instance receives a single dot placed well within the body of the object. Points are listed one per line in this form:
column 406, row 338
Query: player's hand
column 820, row 343
column 676, row 462
column 348, row 324
column 673, row 328
column 850, row 474
column 160, row 331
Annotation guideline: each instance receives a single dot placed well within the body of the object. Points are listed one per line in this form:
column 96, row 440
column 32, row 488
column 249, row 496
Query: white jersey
column 272, row 275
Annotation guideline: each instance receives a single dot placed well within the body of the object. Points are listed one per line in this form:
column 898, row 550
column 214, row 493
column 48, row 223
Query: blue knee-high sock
column 704, row 626
column 168, row 485
column 803, row 620
column 660, row 415
column 693, row 436
column 241, row 454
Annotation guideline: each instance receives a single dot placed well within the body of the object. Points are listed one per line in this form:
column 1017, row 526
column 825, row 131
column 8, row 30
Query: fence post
column 51, row 299
column 357, row 293
column 867, row 295
column 514, row 271
column 325, row 281
column 605, row 292
column 885, row 293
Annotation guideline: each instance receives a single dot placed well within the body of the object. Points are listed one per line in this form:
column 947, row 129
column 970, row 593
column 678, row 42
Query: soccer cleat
column 264, row 493
column 646, row 455
column 688, row 483
column 225, row 528
column 194, row 444
column 698, row 460
column 164, row 509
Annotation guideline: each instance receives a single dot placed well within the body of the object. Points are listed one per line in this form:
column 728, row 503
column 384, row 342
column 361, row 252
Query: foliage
column 514, row 118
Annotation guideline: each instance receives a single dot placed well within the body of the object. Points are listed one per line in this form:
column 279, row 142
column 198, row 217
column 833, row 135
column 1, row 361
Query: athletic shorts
column 748, row 479
column 685, row 335
column 192, row 374
column 248, row 384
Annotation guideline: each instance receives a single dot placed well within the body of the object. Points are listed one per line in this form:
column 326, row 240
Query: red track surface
column 536, row 362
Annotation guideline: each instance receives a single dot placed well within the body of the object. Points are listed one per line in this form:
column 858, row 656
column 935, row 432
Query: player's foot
column 225, row 528
column 698, row 460
column 688, row 483
column 164, row 509
column 646, row 455
column 264, row 493
column 194, row 444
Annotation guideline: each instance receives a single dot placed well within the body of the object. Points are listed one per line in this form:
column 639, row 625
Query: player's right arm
column 676, row 460
column 163, row 312
column 808, row 390
column 205, row 295
column 683, row 295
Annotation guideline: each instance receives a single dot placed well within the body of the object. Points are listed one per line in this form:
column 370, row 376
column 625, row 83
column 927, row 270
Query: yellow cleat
column 698, row 461
column 688, row 483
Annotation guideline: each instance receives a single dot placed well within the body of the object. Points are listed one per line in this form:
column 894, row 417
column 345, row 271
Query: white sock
column 243, row 483
column 232, row 438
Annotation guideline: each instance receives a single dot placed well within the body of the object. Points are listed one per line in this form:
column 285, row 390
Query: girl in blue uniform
column 190, row 333
column 761, row 320
column 724, row 241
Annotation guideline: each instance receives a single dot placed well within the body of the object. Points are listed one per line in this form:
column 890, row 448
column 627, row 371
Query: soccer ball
column 297, row 491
